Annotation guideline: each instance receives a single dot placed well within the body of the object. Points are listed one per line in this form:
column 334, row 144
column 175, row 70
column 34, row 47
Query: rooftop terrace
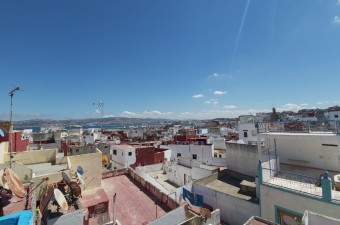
column 133, row 204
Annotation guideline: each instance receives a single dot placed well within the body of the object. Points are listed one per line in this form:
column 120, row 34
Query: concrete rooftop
column 46, row 168
column 133, row 205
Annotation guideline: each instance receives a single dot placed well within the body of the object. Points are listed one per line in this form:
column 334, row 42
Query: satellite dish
column 105, row 160
column 12, row 182
column 80, row 178
column 75, row 189
column 2, row 181
column 80, row 170
column 60, row 198
column 66, row 177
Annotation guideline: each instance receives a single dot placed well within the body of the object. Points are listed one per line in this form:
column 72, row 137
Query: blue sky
column 180, row 59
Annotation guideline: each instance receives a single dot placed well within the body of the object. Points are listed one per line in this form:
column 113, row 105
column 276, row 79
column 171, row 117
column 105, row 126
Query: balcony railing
column 300, row 126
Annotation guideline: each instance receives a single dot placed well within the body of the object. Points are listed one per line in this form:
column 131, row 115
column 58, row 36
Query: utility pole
column 11, row 93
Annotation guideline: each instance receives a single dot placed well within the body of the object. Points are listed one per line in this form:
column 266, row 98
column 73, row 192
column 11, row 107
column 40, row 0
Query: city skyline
column 172, row 60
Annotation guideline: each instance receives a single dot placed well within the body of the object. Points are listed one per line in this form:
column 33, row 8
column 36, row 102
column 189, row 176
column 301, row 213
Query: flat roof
column 124, row 147
column 229, row 185
column 133, row 205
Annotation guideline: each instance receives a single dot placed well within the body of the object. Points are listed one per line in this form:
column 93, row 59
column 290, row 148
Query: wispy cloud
column 215, row 75
column 290, row 107
column 336, row 20
column 156, row 113
column 304, row 104
column 338, row 3
column 229, row 107
column 212, row 101
column 198, row 96
column 97, row 111
column 322, row 103
column 144, row 114
column 108, row 116
column 219, row 92
column 128, row 114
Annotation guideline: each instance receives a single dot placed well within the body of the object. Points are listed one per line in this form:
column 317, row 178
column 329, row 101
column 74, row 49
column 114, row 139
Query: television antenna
column 11, row 93
column 100, row 104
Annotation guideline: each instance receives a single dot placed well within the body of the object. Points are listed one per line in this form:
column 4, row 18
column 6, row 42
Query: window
column 77, row 150
column 179, row 154
column 114, row 152
column 194, row 156
column 130, row 153
column 245, row 133
column 106, row 146
column 336, row 116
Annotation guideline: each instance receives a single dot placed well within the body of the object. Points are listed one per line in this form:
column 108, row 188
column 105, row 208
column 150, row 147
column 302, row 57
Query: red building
column 18, row 143
column 148, row 155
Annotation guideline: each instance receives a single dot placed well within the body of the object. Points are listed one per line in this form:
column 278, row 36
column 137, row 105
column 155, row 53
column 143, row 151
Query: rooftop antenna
column 100, row 104
column 11, row 93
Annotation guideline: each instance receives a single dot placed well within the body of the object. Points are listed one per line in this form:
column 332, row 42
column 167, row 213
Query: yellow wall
column 33, row 157
column 92, row 165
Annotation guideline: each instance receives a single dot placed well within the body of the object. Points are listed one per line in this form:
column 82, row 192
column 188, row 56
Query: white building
column 183, row 171
column 333, row 115
column 203, row 153
column 314, row 150
column 122, row 156
column 247, row 130
column 91, row 135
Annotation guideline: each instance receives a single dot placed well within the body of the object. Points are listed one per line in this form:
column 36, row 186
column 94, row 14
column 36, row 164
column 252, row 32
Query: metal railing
column 336, row 191
column 296, row 182
column 300, row 126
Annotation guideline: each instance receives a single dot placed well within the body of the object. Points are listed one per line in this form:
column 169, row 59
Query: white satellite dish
column 66, row 177
column 80, row 178
column 60, row 198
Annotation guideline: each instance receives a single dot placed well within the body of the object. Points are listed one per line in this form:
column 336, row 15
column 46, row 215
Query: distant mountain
column 89, row 121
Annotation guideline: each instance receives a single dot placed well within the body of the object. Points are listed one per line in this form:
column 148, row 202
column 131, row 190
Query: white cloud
column 149, row 114
column 108, row 116
column 128, row 114
column 156, row 113
column 212, row 101
column 186, row 113
column 219, row 92
column 304, row 104
column 198, row 96
column 322, row 102
column 214, row 75
column 338, row 3
column 229, row 107
column 336, row 20
column 289, row 107
column 97, row 111
column 222, row 113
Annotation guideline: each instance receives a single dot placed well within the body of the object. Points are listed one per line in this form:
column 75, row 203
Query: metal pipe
column 11, row 93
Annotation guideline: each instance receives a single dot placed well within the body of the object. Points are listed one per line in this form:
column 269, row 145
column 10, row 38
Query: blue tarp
column 194, row 199
column 20, row 218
